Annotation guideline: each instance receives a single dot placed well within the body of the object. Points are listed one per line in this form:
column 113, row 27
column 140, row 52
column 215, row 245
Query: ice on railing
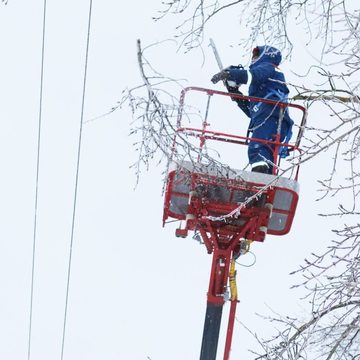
column 235, row 187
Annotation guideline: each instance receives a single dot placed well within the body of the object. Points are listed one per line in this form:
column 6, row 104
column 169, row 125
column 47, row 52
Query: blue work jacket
column 267, row 81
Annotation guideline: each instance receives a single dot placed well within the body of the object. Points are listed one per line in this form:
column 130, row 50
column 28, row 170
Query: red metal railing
column 223, row 240
column 205, row 135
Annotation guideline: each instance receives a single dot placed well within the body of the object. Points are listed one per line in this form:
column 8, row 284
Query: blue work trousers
column 265, row 129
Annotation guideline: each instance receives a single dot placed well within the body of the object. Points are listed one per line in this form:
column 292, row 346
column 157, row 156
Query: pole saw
column 231, row 86
column 217, row 57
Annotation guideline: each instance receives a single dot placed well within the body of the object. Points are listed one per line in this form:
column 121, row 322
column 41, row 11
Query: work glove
column 243, row 104
column 222, row 75
column 234, row 90
column 232, row 87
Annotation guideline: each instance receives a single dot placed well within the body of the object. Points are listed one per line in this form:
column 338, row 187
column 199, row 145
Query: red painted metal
column 204, row 214
column 230, row 329
column 201, row 209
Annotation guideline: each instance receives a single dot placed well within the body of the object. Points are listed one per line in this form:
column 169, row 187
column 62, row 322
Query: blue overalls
column 267, row 82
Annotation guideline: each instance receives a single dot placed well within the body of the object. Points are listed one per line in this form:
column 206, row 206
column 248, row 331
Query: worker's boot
column 261, row 169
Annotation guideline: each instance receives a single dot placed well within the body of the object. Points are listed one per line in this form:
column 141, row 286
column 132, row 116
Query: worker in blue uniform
column 266, row 81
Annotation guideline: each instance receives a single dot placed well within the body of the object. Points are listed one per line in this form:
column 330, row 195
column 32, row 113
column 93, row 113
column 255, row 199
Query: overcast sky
column 136, row 291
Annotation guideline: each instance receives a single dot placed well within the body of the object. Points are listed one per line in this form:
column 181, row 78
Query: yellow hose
column 232, row 281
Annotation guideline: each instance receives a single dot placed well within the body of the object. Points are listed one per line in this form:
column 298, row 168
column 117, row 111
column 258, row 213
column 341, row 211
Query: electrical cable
column 37, row 182
column 252, row 264
column 76, row 183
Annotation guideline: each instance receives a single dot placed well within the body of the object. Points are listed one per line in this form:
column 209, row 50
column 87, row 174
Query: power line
column 76, row 183
column 37, row 181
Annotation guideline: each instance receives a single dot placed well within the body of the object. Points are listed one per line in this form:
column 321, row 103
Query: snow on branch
column 332, row 280
column 156, row 112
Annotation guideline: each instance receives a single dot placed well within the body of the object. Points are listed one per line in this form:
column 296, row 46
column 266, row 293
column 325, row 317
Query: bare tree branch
column 331, row 329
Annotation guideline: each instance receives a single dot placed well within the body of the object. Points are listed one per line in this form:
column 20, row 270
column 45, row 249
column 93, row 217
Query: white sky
column 137, row 291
